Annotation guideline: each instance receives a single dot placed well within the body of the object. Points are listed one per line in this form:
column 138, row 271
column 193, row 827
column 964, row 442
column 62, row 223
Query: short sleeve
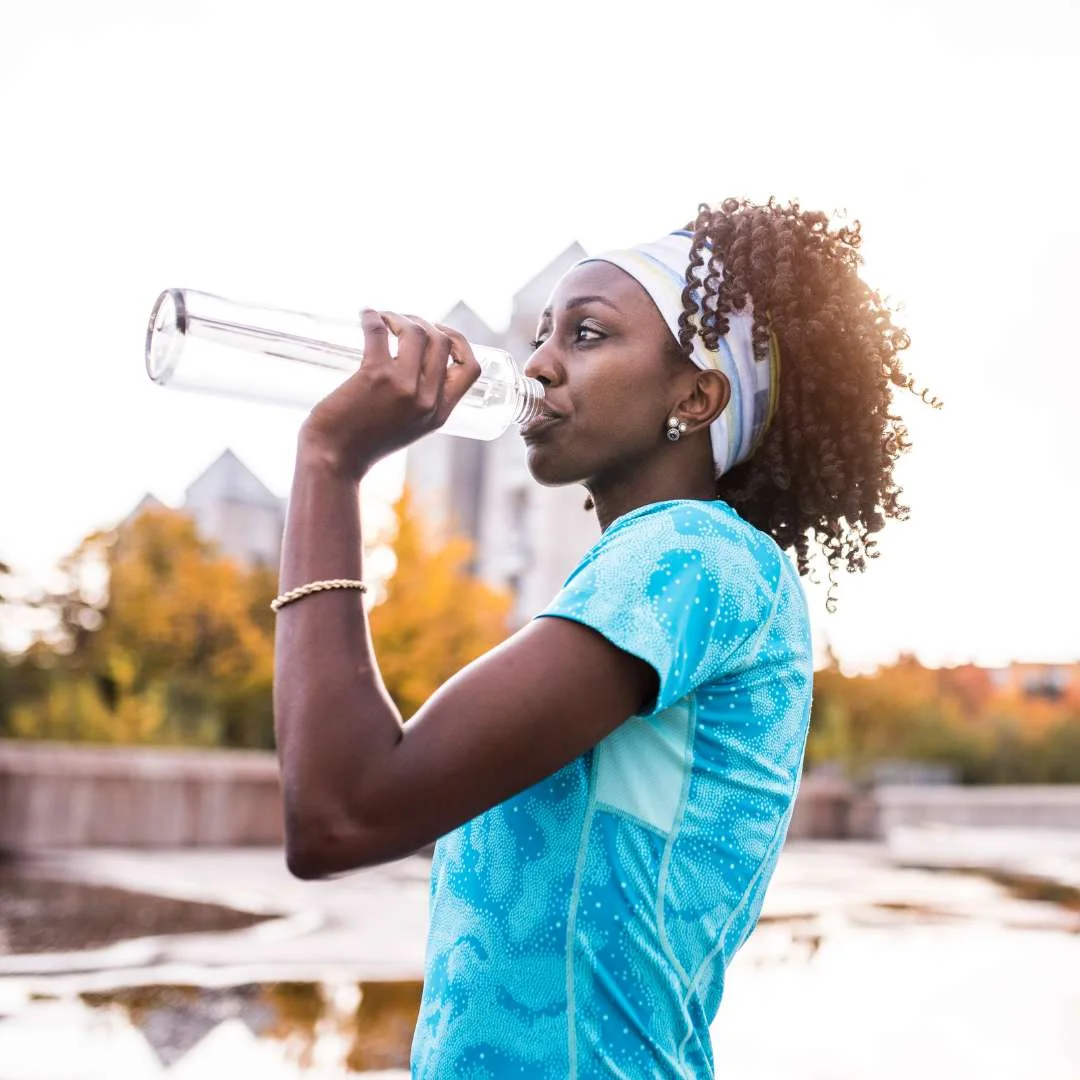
column 688, row 587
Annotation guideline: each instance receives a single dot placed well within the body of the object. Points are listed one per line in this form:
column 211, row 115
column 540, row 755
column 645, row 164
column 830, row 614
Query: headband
column 660, row 268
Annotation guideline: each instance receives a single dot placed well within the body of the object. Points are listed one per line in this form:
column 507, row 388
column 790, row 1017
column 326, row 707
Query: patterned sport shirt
column 583, row 927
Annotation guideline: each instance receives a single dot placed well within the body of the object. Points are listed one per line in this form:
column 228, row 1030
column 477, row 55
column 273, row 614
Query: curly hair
column 823, row 474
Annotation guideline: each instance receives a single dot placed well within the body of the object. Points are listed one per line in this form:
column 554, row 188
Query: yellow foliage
column 956, row 716
column 166, row 641
column 436, row 616
column 73, row 709
column 174, row 645
column 179, row 607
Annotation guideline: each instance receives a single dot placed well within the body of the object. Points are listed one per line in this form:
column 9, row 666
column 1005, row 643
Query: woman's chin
column 546, row 468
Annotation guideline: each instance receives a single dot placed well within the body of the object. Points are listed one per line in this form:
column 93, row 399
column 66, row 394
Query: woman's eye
column 583, row 334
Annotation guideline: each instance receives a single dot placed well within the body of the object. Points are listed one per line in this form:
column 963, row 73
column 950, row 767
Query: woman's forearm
column 333, row 719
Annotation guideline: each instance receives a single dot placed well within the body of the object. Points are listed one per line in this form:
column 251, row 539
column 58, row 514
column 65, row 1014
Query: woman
column 613, row 784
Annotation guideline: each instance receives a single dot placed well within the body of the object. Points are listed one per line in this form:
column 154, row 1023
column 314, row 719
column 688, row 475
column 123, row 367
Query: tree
column 6, row 679
column 436, row 617
column 158, row 639
column 949, row 716
column 15, row 681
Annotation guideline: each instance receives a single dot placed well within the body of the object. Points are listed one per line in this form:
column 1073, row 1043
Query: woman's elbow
column 314, row 845
column 304, row 864
column 314, row 851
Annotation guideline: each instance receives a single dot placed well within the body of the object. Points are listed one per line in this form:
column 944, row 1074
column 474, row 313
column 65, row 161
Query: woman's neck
column 614, row 499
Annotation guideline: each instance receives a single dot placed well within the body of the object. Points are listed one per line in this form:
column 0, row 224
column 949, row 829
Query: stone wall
column 53, row 795
column 1027, row 806
column 829, row 808
column 823, row 810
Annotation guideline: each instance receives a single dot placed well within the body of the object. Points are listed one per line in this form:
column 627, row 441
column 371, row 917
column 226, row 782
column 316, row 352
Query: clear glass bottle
column 197, row 341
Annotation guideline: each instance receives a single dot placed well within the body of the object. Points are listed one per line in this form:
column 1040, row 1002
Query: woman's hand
column 391, row 401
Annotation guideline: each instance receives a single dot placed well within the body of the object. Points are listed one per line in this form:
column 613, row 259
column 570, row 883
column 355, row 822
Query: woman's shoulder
column 689, row 586
column 711, row 527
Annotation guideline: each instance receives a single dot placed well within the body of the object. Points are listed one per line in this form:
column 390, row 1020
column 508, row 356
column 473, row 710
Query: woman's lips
column 539, row 424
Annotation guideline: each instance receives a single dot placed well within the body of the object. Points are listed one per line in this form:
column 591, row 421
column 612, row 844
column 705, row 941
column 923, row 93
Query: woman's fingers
column 432, row 375
column 411, row 343
column 462, row 373
column 434, row 364
column 392, row 400
column 376, row 335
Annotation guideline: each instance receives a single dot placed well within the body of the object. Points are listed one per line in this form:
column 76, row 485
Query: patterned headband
column 660, row 269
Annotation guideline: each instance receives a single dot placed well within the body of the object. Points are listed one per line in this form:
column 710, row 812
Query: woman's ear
column 706, row 399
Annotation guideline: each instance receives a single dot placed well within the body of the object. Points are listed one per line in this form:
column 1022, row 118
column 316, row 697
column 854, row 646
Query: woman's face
column 611, row 369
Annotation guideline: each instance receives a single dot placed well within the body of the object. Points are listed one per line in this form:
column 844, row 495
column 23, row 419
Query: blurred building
column 526, row 538
column 1055, row 682
column 232, row 508
column 975, row 686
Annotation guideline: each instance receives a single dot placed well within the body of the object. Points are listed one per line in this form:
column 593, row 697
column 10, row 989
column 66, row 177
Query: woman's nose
column 542, row 365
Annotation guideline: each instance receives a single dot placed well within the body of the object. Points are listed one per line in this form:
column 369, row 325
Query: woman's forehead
column 602, row 281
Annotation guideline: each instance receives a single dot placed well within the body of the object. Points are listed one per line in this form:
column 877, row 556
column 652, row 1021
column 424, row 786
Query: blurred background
column 454, row 160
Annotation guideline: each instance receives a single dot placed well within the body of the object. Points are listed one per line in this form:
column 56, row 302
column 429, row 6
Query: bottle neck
column 529, row 399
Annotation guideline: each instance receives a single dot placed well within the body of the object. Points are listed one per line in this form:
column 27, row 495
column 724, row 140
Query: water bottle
column 197, row 341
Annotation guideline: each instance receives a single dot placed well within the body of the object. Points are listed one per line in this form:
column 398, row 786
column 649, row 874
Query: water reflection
column 877, row 969
column 41, row 914
column 1021, row 886
column 383, row 1025
column 296, row 1010
column 367, row 1026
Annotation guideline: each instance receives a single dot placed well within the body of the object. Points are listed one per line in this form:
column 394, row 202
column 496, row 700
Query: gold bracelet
column 313, row 587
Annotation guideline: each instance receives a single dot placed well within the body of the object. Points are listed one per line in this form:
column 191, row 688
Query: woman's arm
column 359, row 787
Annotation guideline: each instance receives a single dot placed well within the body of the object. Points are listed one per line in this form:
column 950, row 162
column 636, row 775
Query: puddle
column 1032, row 888
column 300, row 1027
column 39, row 914
column 877, row 970
column 905, row 911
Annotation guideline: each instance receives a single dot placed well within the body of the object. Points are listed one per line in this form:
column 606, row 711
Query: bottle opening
column 530, row 400
column 165, row 335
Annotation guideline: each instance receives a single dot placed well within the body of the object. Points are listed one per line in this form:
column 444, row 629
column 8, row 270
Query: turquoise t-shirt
column 582, row 928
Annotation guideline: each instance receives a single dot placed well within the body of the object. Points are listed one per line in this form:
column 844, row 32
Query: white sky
column 326, row 155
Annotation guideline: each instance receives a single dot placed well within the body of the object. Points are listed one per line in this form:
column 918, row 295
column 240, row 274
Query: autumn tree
column 954, row 717
column 436, row 616
column 7, row 681
column 157, row 638
column 18, row 681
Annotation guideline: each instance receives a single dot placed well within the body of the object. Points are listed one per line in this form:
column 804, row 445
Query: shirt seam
column 622, row 812
column 721, row 941
column 676, row 828
column 571, row 924
column 753, row 646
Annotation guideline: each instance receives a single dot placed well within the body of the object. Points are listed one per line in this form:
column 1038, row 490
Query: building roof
column 462, row 317
column 148, row 502
column 228, row 478
column 530, row 299
column 551, row 272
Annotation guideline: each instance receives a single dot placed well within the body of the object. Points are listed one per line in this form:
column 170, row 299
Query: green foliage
column 957, row 717
column 7, row 694
column 157, row 639
column 436, row 618
column 16, row 681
